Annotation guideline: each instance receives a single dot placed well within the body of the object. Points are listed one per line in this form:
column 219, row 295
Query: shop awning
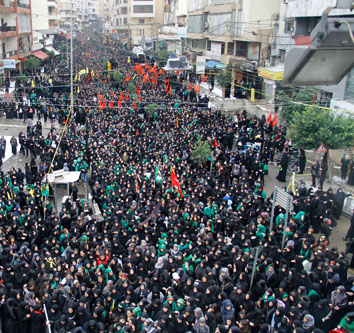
column 211, row 64
column 52, row 49
column 41, row 55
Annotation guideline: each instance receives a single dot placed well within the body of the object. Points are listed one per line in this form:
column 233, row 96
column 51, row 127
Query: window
column 289, row 26
column 124, row 10
column 230, row 49
column 209, row 45
column 125, row 20
column 143, row 9
column 222, row 48
column 141, row 21
column 241, row 49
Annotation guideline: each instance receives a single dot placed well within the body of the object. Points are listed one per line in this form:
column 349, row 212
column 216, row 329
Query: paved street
column 11, row 127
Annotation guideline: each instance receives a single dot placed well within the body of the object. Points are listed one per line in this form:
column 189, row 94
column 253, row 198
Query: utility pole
column 71, row 63
column 225, row 52
column 157, row 37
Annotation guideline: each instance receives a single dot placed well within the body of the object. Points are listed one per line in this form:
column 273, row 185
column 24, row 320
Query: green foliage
column 22, row 78
column 201, row 151
column 64, row 48
column 224, row 78
column 105, row 63
column 32, row 62
column 151, row 109
column 117, row 76
column 289, row 108
column 314, row 126
column 161, row 57
column 51, row 55
column 131, row 88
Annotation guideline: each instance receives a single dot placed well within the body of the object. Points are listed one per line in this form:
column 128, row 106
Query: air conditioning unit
column 276, row 17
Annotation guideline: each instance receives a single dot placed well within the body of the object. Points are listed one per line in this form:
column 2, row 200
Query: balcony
column 6, row 55
column 7, row 32
column 7, row 6
column 23, row 5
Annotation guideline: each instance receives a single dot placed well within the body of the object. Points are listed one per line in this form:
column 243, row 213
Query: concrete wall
column 298, row 8
column 40, row 14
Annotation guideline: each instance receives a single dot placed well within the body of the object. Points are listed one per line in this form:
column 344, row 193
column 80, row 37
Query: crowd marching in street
column 175, row 246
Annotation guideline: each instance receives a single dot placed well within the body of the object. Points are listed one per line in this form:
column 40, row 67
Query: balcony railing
column 9, row 54
column 7, row 28
column 7, row 3
column 23, row 5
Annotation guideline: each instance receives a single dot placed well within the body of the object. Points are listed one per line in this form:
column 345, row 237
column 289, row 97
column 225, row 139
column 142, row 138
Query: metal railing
column 7, row 28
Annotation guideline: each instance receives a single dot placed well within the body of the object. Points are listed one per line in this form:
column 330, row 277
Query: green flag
column 158, row 176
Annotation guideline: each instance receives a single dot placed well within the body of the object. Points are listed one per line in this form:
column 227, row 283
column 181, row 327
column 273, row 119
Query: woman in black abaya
column 283, row 167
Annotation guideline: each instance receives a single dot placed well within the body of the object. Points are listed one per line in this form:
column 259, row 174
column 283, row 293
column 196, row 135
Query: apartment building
column 231, row 32
column 16, row 32
column 137, row 21
column 68, row 8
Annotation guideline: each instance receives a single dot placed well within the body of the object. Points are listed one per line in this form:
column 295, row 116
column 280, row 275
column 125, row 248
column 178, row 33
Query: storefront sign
column 268, row 74
column 9, row 63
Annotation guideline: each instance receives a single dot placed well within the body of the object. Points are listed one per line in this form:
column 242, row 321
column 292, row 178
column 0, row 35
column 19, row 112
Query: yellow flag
column 92, row 73
column 109, row 66
column 253, row 95
column 32, row 83
column 78, row 89
column 87, row 71
column 128, row 60
column 75, row 78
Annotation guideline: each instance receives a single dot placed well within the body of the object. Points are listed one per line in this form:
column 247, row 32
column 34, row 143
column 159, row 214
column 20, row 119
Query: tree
column 51, row 55
column 224, row 79
column 22, row 78
column 151, row 109
column 64, row 48
column 32, row 63
column 201, row 151
column 117, row 77
column 161, row 57
column 131, row 88
column 289, row 108
column 315, row 126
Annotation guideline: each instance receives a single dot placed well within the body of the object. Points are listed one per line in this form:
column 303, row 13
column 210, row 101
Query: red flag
column 127, row 79
column 105, row 79
column 175, row 182
column 127, row 96
column 168, row 80
column 112, row 93
column 134, row 105
column 138, row 90
column 146, row 78
column 147, row 66
column 119, row 104
column 104, row 103
column 8, row 95
column 62, row 34
column 205, row 78
column 167, row 87
column 99, row 95
column 140, row 99
column 87, row 109
column 137, row 132
column 189, row 87
column 100, row 105
column 97, row 75
column 215, row 143
column 275, row 120
column 120, row 96
column 269, row 119
column 161, row 71
column 170, row 91
column 111, row 104
column 177, row 72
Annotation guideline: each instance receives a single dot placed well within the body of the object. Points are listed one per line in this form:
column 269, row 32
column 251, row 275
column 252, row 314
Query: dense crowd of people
column 160, row 258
